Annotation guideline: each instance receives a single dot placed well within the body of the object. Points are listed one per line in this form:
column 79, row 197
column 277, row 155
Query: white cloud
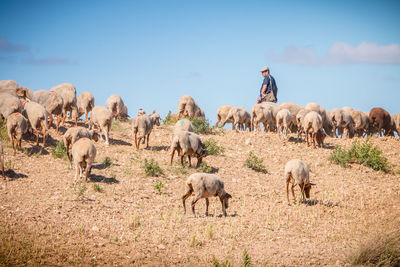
column 341, row 53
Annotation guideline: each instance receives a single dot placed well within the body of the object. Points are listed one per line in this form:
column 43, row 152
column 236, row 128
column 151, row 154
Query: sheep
column 52, row 102
column 297, row 173
column 343, row 121
column 141, row 112
column 327, row 125
column 222, row 113
column 9, row 104
column 2, row 160
column 397, row 121
column 85, row 104
column 187, row 144
column 115, row 104
column 17, row 125
column 240, row 118
column 294, row 109
column 283, row 122
column 142, row 127
column 83, row 153
column 300, row 121
column 348, row 109
column 261, row 114
column 67, row 92
column 393, row 127
column 74, row 134
column 101, row 118
column 380, row 119
column 204, row 185
column 313, row 128
column 361, row 122
column 188, row 104
column 37, row 117
column 184, row 125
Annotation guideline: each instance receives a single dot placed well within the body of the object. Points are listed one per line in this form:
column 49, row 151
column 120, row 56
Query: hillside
column 46, row 220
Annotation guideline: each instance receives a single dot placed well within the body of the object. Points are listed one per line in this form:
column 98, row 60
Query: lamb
column 222, row 113
column 101, row 118
column 115, row 104
column 184, row 125
column 343, row 121
column 83, row 153
column 187, row 144
column 361, row 122
column 37, row 117
column 142, row 127
column 9, row 104
column 297, row 173
column 240, row 117
column 294, row 109
column 85, row 104
column 2, row 160
column 313, row 128
column 327, row 125
column 74, row 134
column 380, row 119
column 187, row 103
column 52, row 102
column 283, row 122
column 204, row 185
column 67, row 92
column 17, row 125
column 300, row 121
column 261, row 114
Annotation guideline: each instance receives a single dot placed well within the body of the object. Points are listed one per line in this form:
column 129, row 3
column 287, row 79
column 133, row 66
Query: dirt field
column 45, row 220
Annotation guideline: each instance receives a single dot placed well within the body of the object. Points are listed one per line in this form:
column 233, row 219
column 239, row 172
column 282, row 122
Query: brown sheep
column 380, row 119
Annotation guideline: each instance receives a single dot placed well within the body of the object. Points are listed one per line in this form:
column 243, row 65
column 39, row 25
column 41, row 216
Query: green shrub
column 151, row 167
column 205, row 168
column 168, row 120
column 201, row 125
column 216, row 263
column 158, row 186
column 98, row 188
column 107, row 162
column 339, row 156
column 212, row 147
column 58, row 151
column 246, row 260
column 117, row 126
column 255, row 163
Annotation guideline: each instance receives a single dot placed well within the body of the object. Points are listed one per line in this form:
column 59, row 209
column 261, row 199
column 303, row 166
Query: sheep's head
column 225, row 198
column 156, row 118
column 94, row 135
column 307, row 189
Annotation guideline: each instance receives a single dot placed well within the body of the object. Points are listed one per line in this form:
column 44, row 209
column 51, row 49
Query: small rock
column 95, row 228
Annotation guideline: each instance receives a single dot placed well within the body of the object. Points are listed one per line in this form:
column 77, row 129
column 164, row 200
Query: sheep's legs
column 287, row 191
column 294, row 198
column 87, row 171
column 207, row 204
column 37, row 137
column 77, row 166
column 64, row 115
column 86, row 113
column 138, row 143
column 172, row 155
column 147, row 140
column 2, row 167
column 194, row 203
column 223, row 206
column 14, row 141
column 44, row 132
column 106, row 135
column 190, row 160
column 50, row 119
column 185, row 196
column 58, row 122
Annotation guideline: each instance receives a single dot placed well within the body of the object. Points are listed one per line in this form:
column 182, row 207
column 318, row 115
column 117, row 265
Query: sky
column 335, row 53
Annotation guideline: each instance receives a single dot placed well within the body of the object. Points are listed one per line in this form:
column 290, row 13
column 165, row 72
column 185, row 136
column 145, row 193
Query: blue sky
column 336, row 53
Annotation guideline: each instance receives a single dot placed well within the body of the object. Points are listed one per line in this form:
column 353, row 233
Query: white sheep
column 361, row 122
column 294, row 109
column 327, row 125
column 297, row 173
column 52, row 102
column 17, row 125
column 204, row 185
column 240, row 117
column 187, row 144
column 261, row 114
column 313, row 128
column 83, row 153
column 74, row 134
column 300, row 121
column 9, row 104
column 142, row 127
column 67, row 92
column 283, row 122
column 222, row 113
column 85, row 104
column 184, row 125
column 101, row 118
column 37, row 117
column 343, row 121
column 189, row 106
column 116, row 105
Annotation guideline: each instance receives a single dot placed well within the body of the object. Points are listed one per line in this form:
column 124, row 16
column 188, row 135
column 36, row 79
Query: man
column 268, row 91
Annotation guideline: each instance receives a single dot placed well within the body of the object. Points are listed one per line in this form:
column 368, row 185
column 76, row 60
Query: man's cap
column 265, row 68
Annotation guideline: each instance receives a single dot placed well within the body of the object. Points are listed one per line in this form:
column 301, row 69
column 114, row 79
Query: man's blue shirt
column 273, row 85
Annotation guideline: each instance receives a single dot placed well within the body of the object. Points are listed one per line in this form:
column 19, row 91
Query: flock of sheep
column 25, row 110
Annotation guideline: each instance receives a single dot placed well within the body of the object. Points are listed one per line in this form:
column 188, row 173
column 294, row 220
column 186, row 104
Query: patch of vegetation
column 151, row 167
column 128, row 171
column 80, row 189
column 398, row 172
column 201, row 125
column 209, row 231
column 9, row 165
column 246, row 260
column 158, row 186
column 179, row 170
column 255, row 163
column 365, row 154
column 107, row 162
column 205, row 168
column 58, row 151
column 212, row 147
column 216, row 263
column 134, row 222
column 117, row 126
column 3, row 131
column 194, row 241
column 98, row 188
column 168, row 120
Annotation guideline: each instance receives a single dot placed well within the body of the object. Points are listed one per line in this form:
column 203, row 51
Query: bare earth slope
column 46, row 220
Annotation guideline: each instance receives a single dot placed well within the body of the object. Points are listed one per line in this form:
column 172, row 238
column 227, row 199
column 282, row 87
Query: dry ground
column 45, row 220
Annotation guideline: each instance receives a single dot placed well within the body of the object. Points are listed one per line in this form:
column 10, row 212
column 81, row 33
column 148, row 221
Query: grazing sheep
column 85, row 104
column 222, row 113
column 204, row 185
column 187, row 103
column 283, row 122
column 361, row 123
column 240, row 118
column 294, row 109
column 17, row 125
column 83, row 153
column 380, row 120
column 300, row 121
column 184, row 125
column 261, row 114
column 74, row 134
column 313, row 128
column 9, row 104
column 52, row 102
column 327, row 125
column 297, row 173
column 116, row 105
column 67, row 92
column 187, row 144
column 343, row 122
column 142, row 127
column 2, row 160
column 37, row 117
column 101, row 118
